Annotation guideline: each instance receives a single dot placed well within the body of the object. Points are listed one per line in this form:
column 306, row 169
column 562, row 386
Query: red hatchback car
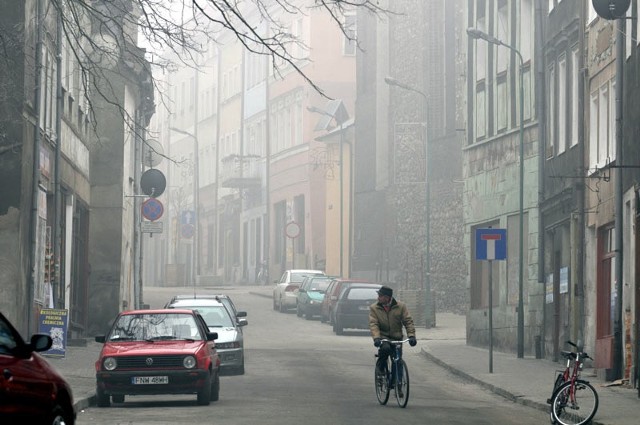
column 31, row 390
column 166, row 351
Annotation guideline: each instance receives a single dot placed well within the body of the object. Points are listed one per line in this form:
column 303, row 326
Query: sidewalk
column 527, row 381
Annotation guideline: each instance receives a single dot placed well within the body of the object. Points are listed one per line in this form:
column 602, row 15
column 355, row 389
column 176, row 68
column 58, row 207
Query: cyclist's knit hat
column 385, row 290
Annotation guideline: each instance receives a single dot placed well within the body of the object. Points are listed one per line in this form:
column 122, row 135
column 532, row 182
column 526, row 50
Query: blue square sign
column 491, row 244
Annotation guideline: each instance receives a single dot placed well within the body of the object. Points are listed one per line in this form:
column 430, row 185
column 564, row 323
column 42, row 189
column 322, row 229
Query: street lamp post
column 196, row 202
column 477, row 34
column 427, row 277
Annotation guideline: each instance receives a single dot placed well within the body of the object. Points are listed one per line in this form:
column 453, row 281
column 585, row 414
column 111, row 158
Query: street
column 298, row 371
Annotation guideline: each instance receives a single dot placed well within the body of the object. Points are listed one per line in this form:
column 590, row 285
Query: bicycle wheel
column 577, row 408
column 559, row 381
column 402, row 384
column 381, row 376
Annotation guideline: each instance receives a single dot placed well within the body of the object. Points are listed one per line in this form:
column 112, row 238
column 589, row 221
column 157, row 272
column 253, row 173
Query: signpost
column 292, row 231
column 491, row 244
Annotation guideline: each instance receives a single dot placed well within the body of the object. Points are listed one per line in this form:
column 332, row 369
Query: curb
column 496, row 390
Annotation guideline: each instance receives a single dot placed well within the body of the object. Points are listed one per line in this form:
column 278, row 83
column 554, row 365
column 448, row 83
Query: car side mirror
column 40, row 342
column 101, row 338
column 241, row 314
column 243, row 322
column 211, row 336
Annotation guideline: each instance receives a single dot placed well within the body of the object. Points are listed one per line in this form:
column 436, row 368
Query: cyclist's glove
column 377, row 342
column 412, row 341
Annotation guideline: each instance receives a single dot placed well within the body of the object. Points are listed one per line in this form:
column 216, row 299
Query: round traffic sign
column 292, row 229
column 187, row 231
column 152, row 209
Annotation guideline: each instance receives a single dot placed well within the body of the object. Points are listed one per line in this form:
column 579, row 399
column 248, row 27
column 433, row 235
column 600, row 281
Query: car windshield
column 215, row 316
column 297, row 277
column 362, row 294
column 319, row 285
column 151, row 327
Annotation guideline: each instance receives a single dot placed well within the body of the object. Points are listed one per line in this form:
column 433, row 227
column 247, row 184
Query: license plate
column 363, row 307
column 149, row 380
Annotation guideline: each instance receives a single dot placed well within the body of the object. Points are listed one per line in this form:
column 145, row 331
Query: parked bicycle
column 574, row 401
column 392, row 374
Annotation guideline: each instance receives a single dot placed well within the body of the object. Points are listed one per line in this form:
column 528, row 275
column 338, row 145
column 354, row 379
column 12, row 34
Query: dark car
column 310, row 296
column 166, row 351
column 352, row 307
column 327, row 307
column 31, row 390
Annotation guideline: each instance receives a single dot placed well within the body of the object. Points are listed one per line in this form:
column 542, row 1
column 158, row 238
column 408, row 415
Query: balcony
column 242, row 171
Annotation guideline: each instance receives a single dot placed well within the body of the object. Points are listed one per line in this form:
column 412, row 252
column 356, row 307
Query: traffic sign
column 151, row 226
column 187, row 230
column 187, row 217
column 292, row 229
column 491, row 244
column 152, row 209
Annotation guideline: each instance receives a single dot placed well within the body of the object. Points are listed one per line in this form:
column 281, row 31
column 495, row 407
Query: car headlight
column 226, row 345
column 189, row 362
column 109, row 363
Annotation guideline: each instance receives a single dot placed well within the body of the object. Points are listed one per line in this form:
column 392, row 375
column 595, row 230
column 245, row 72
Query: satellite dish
column 152, row 152
column 153, row 183
column 611, row 9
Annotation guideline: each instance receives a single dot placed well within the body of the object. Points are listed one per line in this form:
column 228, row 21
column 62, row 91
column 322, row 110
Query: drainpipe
column 58, row 290
column 541, row 111
column 617, row 325
column 35, row 176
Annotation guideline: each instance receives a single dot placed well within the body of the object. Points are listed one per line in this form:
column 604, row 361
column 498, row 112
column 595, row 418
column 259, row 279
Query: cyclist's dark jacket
column 388, row 324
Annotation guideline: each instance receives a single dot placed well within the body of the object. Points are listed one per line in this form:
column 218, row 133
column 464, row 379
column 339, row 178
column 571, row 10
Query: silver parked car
column 230, row 342
column 285, row 293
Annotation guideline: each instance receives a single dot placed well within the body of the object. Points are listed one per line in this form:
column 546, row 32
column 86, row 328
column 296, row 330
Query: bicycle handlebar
column 394, row 342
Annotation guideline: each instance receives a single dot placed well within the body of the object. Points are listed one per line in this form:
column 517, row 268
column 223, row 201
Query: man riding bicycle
column 386, row 319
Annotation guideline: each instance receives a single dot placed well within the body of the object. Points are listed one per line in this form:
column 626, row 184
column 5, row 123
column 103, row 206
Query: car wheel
column 275, row 306
column 323, row 318
column 338, row 328
column 204, row 394
column 282, row 308
column 215, row 388
column 308, row 316
column 117, row 398
column 298, row 311
column 59, row 417
column 102, row 399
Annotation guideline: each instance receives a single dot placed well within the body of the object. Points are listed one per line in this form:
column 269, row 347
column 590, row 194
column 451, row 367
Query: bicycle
column 386, row 377
column 574, row 401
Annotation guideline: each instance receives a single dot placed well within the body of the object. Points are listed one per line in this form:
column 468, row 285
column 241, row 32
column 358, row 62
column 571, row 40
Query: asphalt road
column 299, row 372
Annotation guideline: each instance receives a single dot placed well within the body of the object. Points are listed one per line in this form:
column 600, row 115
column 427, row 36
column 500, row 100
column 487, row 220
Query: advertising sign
column 53, row 322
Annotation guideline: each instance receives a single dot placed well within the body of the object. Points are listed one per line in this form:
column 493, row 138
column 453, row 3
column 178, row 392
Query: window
column 481, row 111
column 562, row 104
column 349, row 43
column 602, row 126
column 502, row 102
column 575, row 81
column 551, row 111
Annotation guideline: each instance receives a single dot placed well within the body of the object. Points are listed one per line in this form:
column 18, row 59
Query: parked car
column 352, row 307
column 285, row 292
column 230, row 342
column 310, row 296
column 223, row 298
column 165, row 351
column 331, row 296
column 31, row 390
